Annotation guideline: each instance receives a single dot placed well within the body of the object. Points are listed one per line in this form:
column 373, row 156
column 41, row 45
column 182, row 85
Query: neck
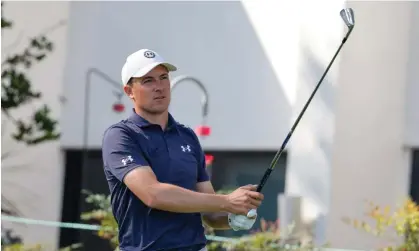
column 160, row 119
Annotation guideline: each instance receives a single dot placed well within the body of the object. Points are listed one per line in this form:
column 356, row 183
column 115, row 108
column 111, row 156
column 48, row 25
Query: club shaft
column 284, row 144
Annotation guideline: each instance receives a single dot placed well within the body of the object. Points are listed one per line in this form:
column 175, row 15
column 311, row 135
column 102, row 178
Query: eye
column 148, row 80
column 164, row 77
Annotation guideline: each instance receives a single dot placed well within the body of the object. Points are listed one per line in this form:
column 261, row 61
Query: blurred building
column 358, row 141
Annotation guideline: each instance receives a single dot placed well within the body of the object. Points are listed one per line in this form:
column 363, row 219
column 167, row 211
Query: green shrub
column 268, row 238
column 102, row 215
column 37, row 247
column 403, row 221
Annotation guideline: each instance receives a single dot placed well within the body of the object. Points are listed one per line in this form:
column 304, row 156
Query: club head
column 348, row 17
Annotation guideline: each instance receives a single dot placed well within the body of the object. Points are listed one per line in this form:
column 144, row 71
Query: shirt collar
column 142, row 122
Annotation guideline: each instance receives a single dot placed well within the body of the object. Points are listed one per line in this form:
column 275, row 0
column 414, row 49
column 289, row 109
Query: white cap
column 141, row 62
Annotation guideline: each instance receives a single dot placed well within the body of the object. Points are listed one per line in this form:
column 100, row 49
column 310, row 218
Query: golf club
column 348, row 17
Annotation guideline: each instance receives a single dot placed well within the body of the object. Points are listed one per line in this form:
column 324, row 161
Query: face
column 151, row 93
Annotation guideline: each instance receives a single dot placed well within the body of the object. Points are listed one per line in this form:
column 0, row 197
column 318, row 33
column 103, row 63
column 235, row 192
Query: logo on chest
column 186, row 148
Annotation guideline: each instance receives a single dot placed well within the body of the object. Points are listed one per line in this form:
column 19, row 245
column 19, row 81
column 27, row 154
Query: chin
column 156, row 111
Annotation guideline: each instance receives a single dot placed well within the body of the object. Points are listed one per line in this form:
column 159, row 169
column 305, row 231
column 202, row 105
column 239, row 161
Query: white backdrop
column 248, row 56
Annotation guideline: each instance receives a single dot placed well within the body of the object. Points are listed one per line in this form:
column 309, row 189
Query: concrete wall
column 369, row 160
column 32, row 176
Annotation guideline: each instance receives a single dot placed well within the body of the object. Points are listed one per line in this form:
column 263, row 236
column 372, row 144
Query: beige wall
column 369, row 160
column 36, row 188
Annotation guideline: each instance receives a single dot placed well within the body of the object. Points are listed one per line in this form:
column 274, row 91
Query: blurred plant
column 402, row 222
column 102, row 214
column 9, row 238
column 269, row 226
column 38, row 247
column 268, row 238
column 17, row 91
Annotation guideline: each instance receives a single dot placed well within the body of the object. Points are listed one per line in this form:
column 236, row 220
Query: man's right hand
column 243, row 199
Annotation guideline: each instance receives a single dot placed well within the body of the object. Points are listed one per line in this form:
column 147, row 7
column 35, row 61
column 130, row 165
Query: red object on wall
column 208, row 159
column 203, row 130
column 118, row 107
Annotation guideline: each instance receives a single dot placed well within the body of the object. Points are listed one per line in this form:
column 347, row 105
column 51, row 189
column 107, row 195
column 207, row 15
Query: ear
column 128, row 91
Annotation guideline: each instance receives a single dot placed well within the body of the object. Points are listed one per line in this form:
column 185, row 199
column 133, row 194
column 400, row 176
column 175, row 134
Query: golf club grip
column 273, row 163
column 264, row 179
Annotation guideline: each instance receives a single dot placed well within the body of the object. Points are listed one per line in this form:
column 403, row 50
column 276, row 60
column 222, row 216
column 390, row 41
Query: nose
column 158, row 86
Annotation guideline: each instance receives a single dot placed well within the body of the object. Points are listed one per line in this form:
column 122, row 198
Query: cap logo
column 149, row 54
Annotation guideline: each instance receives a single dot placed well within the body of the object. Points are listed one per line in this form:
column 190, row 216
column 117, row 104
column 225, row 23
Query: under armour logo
column 186, row 148
column 127, row 160
column 149, row 54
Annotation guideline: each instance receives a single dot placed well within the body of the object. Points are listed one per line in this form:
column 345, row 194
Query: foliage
column 402, row 222
column 9, row 238
column 102, row 214
column 269, row 237
column 38, row 247
column 17, row 90
column 11, row 242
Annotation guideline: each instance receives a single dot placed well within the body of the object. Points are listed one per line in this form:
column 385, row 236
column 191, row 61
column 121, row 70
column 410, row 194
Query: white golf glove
column 242, row 222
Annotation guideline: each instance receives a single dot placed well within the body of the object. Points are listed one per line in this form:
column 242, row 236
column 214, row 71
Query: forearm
column 218, row 221
column 172, row 198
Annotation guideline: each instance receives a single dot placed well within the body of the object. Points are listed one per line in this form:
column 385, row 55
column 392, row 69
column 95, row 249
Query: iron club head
column 348, row 17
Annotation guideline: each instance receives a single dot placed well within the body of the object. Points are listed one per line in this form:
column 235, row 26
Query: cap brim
column 150, row 67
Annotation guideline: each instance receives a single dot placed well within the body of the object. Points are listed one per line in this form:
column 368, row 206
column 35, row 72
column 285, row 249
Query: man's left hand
column 242, row 222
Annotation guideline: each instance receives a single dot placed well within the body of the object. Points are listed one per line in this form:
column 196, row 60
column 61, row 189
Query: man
column 155, row 168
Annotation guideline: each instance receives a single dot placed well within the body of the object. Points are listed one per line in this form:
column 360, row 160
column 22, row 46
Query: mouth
column 159, row 98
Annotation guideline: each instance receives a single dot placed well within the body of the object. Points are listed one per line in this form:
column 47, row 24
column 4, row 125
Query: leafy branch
column 17, row 90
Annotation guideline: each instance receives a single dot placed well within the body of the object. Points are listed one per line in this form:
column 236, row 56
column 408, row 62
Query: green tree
column 17, row 90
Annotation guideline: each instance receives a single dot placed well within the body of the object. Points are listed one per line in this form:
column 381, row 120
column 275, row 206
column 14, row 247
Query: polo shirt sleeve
column 121, row 153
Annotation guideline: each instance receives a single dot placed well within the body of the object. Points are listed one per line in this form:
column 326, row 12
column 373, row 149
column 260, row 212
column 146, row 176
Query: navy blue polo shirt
column 176, row 157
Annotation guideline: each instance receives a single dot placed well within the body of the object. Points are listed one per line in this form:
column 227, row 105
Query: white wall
column 369, row 161
column 321, row 31
column 412, row 90
column 32, row 176
column 215, row 42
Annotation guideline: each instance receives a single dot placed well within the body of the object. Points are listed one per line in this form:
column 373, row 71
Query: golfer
column 160, row 191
